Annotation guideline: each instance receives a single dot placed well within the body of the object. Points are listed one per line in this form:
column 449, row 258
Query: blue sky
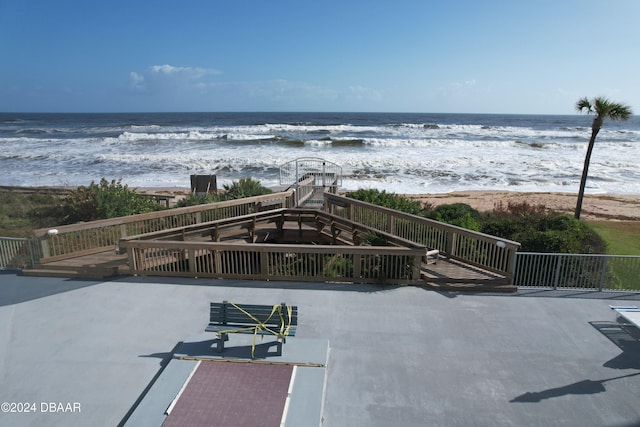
column 456, row 56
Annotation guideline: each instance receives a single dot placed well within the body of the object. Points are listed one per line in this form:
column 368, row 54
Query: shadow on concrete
column 581, row 387
column 560, row 293
column 259, row 284
column 207, row 349
column 625, row 337
column 16, row 288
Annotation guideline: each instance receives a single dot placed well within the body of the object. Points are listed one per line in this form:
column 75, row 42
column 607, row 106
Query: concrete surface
column 400, row 356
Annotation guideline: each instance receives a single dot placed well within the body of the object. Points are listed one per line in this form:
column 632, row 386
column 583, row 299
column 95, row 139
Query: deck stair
column 95, row 266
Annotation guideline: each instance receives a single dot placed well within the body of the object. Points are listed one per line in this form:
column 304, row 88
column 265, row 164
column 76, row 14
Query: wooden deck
column 100, row 265
column 445, row 275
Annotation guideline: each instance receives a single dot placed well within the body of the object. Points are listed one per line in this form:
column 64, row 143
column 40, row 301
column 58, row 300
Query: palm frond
column 604, row 108
column 584, row 104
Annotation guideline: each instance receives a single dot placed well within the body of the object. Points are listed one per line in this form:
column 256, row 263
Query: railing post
column 217, row 262
column 450, row 243
column 357, row 267
column 513, row 256
column 264, row 265
column 44, row 246
column 603, row 276
column 191, row 261
column 417, row 264
column 133, row 265
column 556, row 279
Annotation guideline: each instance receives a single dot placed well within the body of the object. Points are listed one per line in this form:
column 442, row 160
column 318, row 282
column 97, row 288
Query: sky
column 449, row 56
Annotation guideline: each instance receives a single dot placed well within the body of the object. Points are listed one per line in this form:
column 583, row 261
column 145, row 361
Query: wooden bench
column 225, row 318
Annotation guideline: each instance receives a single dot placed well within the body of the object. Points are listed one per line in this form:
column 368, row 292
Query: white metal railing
column 577, row 271
column 311, row 177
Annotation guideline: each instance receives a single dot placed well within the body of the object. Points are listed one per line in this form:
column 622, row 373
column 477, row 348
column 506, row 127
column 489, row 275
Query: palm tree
column 603, row 109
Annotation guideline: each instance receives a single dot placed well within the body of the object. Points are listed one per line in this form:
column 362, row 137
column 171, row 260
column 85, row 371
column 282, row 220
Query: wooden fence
column 97, row 236
column 482, row 250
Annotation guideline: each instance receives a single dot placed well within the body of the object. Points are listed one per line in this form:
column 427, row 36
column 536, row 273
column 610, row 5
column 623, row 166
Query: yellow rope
column 284, row 328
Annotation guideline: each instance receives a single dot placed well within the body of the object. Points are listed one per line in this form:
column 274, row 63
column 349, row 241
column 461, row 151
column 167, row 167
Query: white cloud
column 194, row 88
column 190, row 72
column 136, row 81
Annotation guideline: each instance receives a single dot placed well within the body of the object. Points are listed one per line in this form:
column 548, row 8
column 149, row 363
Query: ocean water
column 400, row 153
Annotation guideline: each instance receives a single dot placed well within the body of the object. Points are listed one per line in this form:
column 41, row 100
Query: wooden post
column 417, row 264
column 191, row 253
column 264, row 265
column 44, row 245
column 217, row 262
column 357, row 267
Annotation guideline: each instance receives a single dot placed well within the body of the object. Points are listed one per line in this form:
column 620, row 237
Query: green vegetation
column 194, row 199
column 245, row 187
column 387, row 200
column 105, row 200
column 540, row 231
column 536, row 229
column 621, row 237
column 459, row 214
column 21, row 213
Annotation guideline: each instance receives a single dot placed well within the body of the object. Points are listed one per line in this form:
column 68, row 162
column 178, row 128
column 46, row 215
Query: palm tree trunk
column 585, row 170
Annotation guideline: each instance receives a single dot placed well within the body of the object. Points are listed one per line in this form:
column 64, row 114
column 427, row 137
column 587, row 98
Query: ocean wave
column 407, row 153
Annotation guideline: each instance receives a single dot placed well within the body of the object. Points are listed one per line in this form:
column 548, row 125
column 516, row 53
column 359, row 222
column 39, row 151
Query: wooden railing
column 478, row 249
column 325, row 263
column 97, row 236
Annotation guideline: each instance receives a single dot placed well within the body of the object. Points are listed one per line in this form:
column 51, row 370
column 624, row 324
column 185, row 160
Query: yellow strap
column 285, row 327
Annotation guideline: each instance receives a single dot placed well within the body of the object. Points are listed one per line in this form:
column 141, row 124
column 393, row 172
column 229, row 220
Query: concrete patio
column 399, row 356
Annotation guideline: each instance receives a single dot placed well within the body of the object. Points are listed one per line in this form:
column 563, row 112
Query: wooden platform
column 451, row 275
column 446, row 274
column 100, row 265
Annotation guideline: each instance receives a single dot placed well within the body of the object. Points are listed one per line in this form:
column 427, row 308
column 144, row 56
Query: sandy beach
column 594, row 207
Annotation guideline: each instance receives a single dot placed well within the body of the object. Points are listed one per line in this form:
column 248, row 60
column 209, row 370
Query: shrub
column 387, row 200
column 375, row 239
column 105, row 200
column 541, row 231
column 194, row 199
column 459, row 214
column 245, row 187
